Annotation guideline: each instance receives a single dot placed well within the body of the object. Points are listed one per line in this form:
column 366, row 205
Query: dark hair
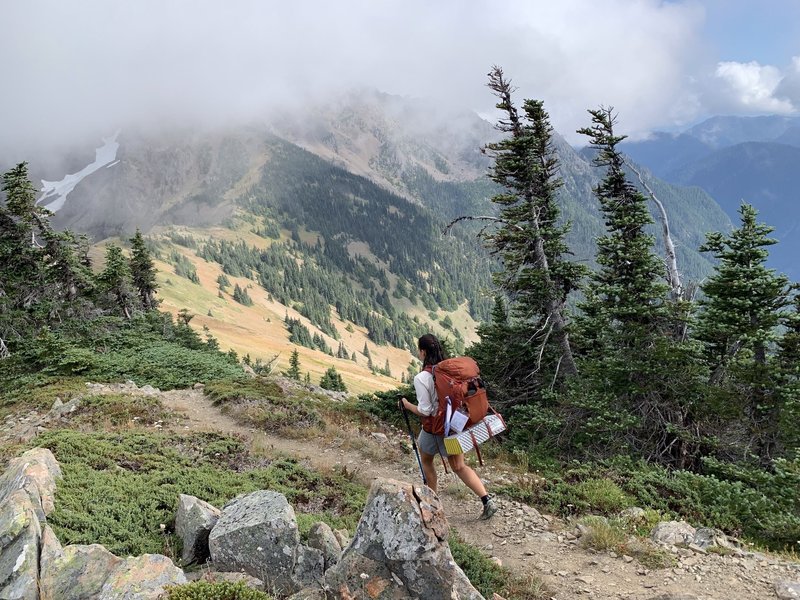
column 433, row 349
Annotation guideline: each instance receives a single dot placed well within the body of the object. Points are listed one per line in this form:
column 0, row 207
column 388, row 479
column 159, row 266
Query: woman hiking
column 431, row 353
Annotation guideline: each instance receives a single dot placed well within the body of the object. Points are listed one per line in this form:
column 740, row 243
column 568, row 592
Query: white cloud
column 86, row 68
column 753, row 87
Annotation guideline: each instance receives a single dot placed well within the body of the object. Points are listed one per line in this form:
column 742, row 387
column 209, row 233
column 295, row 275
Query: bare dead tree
column 4, row 352
column 673, row 276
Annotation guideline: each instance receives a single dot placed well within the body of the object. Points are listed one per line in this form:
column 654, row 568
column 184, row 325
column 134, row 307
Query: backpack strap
column 477, row 449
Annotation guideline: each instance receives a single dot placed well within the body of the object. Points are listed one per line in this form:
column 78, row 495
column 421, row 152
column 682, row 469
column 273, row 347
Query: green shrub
column 743, row 501
column 222, row 391
column 385, row 405
column 616, row 534
column 119, row 488
column 165, row 365
column 603, row 495
column 223, row 590
column 37, row 390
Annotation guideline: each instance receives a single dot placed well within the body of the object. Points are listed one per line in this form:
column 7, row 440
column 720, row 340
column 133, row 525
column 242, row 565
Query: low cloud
column 752, row 87
column 83, row 69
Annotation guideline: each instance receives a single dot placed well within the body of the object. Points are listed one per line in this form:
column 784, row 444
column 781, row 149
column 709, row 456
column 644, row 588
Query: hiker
column 431, row 353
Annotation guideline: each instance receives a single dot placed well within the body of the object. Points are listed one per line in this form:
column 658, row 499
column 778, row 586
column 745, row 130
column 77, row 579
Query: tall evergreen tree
column 642, row 387
column 115, row 283
column 743, row 303
column 143, row 272
column 535, row 275
column 628, row 288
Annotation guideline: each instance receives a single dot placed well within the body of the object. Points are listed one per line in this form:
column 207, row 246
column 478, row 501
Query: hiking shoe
column 488, row 510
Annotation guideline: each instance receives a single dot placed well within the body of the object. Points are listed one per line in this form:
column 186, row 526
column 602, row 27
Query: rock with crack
column 706, row 537
column 321, row 537
column 399, row 550
column 257, row 533
column 91, row 572
column 27, row 488
column 20, row 534
column 193, row 523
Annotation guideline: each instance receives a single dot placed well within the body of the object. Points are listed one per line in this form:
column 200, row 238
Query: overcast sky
column 72, row 68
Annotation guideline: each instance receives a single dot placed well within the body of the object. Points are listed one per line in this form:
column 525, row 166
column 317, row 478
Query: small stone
column 627, row 558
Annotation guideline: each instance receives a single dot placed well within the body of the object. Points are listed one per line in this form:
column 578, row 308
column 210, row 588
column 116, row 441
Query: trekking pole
column 413, row 443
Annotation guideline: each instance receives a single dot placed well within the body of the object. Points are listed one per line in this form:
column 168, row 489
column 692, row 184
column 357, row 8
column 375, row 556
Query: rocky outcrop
column 27, row 489
column 20, row 535
column 680, row 533
column 787, row 590
column 399, row 550
column 193, row 524
column 257, row 533
column 34, row 566
column 91, row 572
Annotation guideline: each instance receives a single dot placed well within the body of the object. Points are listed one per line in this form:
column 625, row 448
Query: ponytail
column 434, row 353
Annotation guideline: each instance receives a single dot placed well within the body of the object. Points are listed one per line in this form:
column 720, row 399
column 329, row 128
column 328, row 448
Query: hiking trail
column 522, row 539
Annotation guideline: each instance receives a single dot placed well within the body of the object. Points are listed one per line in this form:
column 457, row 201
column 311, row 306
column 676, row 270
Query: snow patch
column 105, row 156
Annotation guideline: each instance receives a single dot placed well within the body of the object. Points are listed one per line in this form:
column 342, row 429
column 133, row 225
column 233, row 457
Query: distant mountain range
column 738, row 159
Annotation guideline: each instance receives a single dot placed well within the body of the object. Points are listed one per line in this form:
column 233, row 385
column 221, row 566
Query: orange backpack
column 458, row 384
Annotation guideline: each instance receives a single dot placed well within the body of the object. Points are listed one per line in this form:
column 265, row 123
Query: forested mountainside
column 738, row 159
column 345, row 231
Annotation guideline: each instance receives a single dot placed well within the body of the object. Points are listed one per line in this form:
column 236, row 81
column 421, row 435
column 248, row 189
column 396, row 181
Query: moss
column 223, row 590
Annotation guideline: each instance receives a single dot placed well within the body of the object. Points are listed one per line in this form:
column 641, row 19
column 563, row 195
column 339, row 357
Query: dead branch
column 673, row 277
column 449, row 226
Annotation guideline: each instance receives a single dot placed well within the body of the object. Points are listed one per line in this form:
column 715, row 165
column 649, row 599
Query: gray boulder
column 141, row 578
column 400, row 550
column 93, row 573
column 309, row 567
column 74, row 571
column 321, row 537
column 342, row 537
column 36, row 472
column 787, row 590
column 706, row 537
column 193, row 524
column 27, row 488
column 20, row 534
column 257, row 533
column 675, row 533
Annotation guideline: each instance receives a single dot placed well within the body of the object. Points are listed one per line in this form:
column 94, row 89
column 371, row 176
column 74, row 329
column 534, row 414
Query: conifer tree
column 529, row 240
column 641, row 388
column 115, row 282
column 628, row 288
column 332, row 380
column 143, row 272
column 743, row 304
column 294, row 366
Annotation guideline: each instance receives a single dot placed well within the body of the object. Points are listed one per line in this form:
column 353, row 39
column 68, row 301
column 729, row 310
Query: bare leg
column 466, row 474
column 429, row 469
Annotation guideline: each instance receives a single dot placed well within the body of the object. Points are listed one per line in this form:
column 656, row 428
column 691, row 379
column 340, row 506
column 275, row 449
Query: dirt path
column 519, row 536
